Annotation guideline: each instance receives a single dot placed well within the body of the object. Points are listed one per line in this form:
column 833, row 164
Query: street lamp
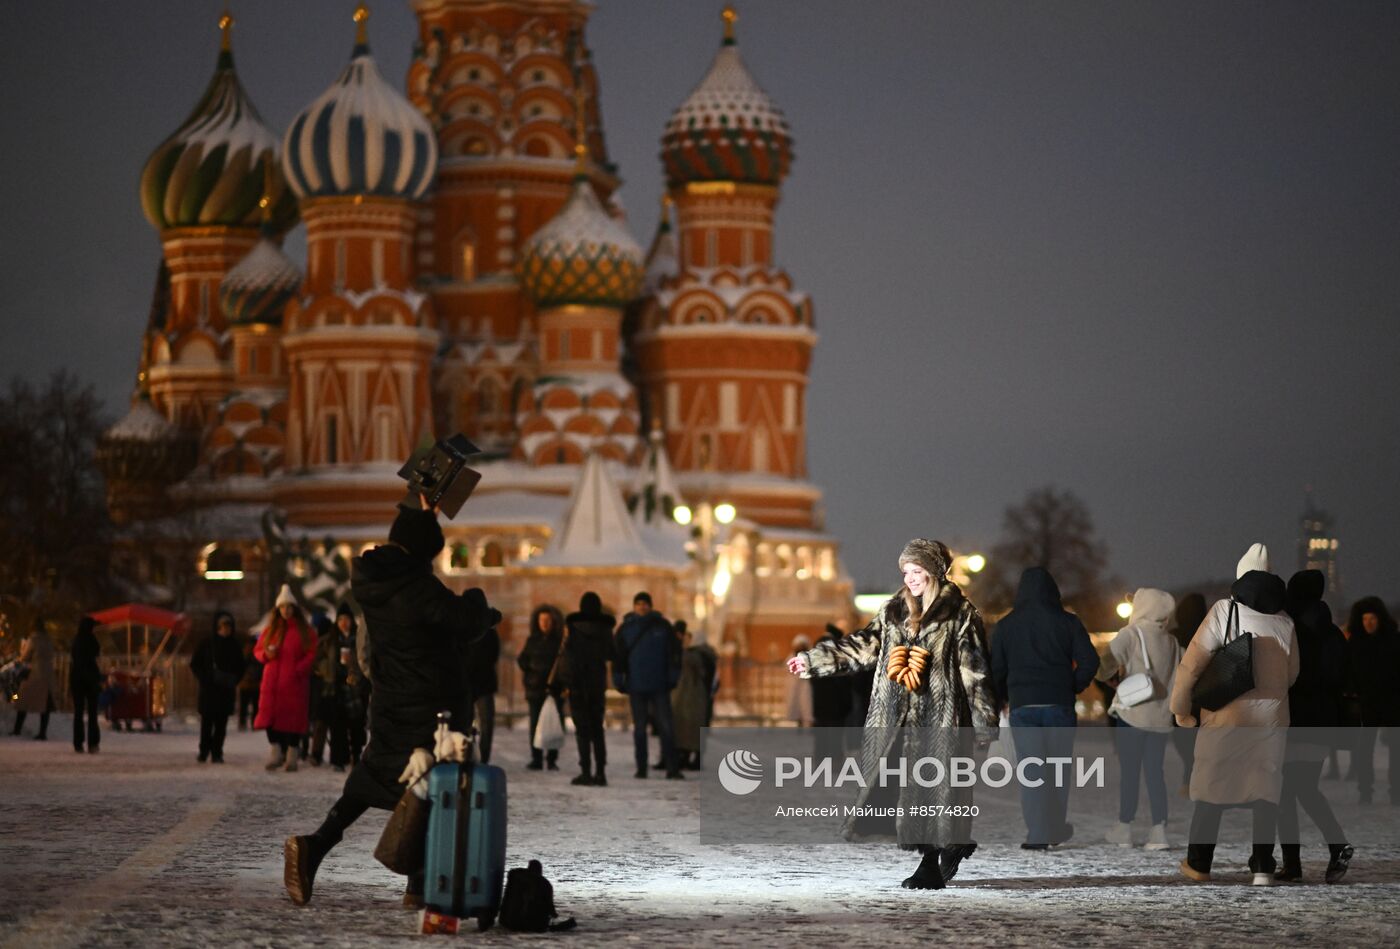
column 976, row 563
column 1125, row 609
column 705, row 521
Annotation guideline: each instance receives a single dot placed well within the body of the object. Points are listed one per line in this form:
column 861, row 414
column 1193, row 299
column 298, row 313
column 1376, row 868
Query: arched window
column 492, row 555
column 461, row 557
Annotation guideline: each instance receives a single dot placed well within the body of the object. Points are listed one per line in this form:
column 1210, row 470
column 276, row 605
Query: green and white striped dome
column 211, row 170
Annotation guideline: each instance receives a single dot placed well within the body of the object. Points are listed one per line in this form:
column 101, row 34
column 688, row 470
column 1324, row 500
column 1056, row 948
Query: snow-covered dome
column 361, row 136
column 144, row 446
column 259, row 285
column 211, row 170
column 728, row 129
column 582, row 255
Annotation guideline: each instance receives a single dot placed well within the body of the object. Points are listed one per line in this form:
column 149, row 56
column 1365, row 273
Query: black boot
column 584, row 778
column 928, row 876
column 552, row 761
column 952, row 857
column 1292, row 869
column 600, row 780
column 302, row 856
column 536, row 760
column 1341, row 859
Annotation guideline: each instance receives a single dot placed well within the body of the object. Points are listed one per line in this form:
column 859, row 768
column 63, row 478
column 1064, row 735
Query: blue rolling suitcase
column 465, row 857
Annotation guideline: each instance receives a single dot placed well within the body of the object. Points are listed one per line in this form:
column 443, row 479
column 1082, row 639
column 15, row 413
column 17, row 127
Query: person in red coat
column 287, row 650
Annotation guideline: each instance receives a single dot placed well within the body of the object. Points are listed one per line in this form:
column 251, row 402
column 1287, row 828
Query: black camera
column 441, row 475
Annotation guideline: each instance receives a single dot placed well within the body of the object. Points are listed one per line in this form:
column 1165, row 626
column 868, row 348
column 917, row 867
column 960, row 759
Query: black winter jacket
column 1041, row 654
column 539, row 654
column 83, row 674
column 482, row 658
column 1315, row 699
column 218, row 666
column 589, row 650
column 419, row 634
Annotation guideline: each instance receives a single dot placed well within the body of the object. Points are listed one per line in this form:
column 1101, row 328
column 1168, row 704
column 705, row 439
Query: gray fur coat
column 938, row 720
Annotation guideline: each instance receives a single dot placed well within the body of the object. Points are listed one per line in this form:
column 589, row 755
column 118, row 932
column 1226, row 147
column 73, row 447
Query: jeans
column 1044, row 731
column 1141, row 752
column 1185, row 741
column 85, row 699
column 647, row 706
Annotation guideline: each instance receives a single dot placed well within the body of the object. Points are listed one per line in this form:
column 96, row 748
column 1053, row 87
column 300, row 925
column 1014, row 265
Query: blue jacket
column 1041, row 654
column 648, row 654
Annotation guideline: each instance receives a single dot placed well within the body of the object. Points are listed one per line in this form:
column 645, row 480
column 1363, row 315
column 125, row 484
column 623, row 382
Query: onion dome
column 582, row 255
column 210, row 171
column 259, row 285
column 361, row 136
column 728, row 129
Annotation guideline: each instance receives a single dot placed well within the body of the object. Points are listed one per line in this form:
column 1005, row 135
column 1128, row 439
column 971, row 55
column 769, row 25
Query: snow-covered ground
column 142, row 846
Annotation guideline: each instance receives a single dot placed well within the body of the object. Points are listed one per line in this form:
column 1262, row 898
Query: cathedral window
column 332, row 448
column 492, row 556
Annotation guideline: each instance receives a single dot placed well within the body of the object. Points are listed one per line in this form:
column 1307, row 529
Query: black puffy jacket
column 589, row 650
column 1041, row 654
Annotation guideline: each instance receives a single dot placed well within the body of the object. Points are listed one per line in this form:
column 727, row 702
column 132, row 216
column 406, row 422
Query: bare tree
column 1053, row 529
column 54, row 531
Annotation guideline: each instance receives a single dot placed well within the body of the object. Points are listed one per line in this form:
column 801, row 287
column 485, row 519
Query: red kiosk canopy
column 140, row 614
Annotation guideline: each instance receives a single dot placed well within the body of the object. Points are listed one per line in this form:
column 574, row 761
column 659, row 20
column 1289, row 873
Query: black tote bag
column 1230, row 673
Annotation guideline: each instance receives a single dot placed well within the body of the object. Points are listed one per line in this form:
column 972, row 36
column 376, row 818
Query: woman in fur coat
column 932, row 699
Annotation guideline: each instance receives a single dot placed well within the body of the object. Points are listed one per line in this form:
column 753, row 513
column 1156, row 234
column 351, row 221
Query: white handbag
column 1138, row 687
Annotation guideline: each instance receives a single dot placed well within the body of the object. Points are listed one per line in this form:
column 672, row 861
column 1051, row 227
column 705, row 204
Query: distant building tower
column 202, row 190
column 1317, row 546
column 725, row 342
column 360, row 340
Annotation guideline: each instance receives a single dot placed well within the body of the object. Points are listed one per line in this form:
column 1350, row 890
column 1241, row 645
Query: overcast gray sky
column 1144, row 250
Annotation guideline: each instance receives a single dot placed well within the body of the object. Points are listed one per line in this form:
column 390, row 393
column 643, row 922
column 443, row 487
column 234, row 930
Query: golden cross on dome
column 730, row 16
column 226, row 28
column 362, row 24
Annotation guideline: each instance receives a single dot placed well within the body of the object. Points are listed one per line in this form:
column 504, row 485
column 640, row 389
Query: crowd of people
column 1315, row 691
column 313, row 683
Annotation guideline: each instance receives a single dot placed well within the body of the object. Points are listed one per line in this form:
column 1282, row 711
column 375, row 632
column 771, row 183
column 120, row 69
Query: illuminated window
column 466, row 260
column 461, row 557
column 492, row 556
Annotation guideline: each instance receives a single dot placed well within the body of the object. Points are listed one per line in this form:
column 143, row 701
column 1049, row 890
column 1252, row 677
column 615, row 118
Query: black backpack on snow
column 528, row 905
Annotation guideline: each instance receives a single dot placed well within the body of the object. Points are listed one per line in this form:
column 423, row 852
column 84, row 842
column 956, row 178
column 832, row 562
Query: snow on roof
column 597, row 531
column 142, row 424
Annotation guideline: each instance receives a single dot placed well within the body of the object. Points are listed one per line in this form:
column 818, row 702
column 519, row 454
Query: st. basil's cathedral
column 467, row 269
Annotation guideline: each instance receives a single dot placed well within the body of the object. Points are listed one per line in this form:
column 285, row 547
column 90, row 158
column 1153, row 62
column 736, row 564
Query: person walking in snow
column 544, row 676
column 287, row 650
column 1240, row 746
column 646, row 667
column 932, row 698
column 588, row 651
column 1314, row 717
column 217, row 665
column 420, row 637
column 1144, row 647
column 85, row 683
column 1375, row 670
column 36, row 691
column 1041, row 659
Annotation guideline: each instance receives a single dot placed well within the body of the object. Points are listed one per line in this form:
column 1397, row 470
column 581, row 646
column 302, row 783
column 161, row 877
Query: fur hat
column 1255, row 558
column 284, row 596
column 932, row 555
column 642, row 597
column 590, row 604
column 417, row 532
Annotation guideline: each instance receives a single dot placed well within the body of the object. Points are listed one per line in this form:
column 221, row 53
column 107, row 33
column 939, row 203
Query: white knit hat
column 285, row 596
column 1255, row 558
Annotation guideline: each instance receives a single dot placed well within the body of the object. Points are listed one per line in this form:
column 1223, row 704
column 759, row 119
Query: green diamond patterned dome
column 582, row 256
